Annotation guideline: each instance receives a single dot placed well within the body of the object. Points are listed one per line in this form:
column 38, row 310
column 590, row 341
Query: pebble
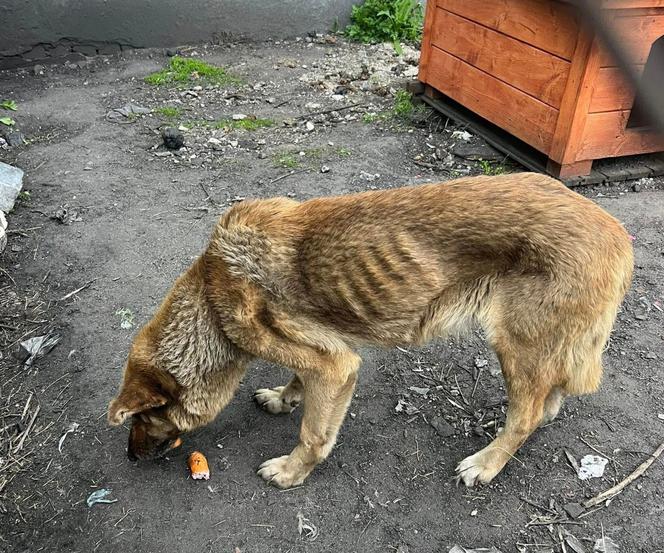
column 173, row 139
column 239, row 116
column 324, row 169
column 309, row 126
column 442, row 427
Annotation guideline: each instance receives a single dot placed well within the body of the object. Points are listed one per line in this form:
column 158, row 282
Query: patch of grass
column 489, row 168
column 387, row 21
column 249, row 124
column 24, row 196
column 287, row 160
column 7, row 121
column 8, row 104
column 344, row 152
column 403, row 103
column 186, row 70
column 372, row 117
column 169, row 111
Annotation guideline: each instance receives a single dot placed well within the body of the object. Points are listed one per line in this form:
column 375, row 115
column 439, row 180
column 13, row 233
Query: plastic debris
column 606, row 545
column 420, row 391
column 592, row 466
column 462, row 135
column 573, row 542
column 126, row 112
column 11, row 182
column 73, row 427
column 39, row 346
column 306, row 527
column 99, row 496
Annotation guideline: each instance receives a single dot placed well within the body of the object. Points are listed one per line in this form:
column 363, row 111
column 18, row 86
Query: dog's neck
column 194, row 349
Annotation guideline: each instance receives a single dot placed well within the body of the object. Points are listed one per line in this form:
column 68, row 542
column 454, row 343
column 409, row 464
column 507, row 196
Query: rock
column 476, row 152
column 170, row 52
column 573, row 509
column 173, row 139
column 465, row 136
column 11, row 182
column 324, row 169
column 38, row 69
column 15, row 138
column 271, row 100
column 126, row 111
column 636, row 187
column 239, row 116
column 309, row 125
column 651, row 355
column 3, row 232
column 312, row 105
column 442, row 427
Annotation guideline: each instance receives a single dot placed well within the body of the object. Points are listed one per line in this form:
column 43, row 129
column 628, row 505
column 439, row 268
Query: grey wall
column 139, row 23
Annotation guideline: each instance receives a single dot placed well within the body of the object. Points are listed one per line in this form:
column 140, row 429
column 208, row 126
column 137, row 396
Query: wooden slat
column 525, row 67
column 545, row 24
column 637, row 34
column 631, row 4
column 612, row 90
column 576, row 99
column 513, row 110
column 429, row 25
column 605, row 135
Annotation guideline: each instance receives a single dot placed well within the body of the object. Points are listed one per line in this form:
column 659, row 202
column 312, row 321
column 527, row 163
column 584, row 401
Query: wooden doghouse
column 531, row 68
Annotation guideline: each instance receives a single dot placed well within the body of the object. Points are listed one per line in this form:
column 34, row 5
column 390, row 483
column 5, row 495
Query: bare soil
column 138, row 215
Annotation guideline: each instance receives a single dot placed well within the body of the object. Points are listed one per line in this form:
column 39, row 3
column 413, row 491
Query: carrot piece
column 176, row 443
column 198, row 466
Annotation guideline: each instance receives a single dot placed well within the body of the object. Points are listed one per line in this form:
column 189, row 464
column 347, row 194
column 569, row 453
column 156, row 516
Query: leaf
column 8, row 104
column 7, row 121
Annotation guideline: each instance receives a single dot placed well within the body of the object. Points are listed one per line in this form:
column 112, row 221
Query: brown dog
column 540, row 268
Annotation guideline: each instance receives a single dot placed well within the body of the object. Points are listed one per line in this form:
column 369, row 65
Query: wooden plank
column 501, row 56
column 429, row 25
column 637, row 33
column 522, row 115
column 545, row 24
column 631, row 4
column 612, row 90
column 574, row 109
column 606, row 135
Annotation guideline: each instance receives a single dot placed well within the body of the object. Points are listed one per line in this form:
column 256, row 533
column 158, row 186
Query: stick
column 27, row 430
column 66, row 296
column 615, row 490
column 289, row 175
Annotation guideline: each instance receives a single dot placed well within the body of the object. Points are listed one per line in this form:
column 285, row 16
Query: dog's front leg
column 327, row 394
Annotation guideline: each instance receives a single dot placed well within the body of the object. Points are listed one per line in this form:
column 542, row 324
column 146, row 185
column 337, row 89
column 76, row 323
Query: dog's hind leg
column 327, row 394
column 282, row 399
column 528, row 386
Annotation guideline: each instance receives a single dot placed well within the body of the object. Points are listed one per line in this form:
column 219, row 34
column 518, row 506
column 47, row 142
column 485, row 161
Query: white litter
column 592, row 466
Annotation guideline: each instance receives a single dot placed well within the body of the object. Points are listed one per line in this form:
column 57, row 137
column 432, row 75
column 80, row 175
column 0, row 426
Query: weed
column 248, row 124
column 344, row 152
column 285, row 160
column 7, row 121
column 403, row 103
column 169, row 111
column 372, row 117
column 24, row 196
column 8, row 104
column 126, row 318
column 386, row 21
column 184, row 70
column 489, row 168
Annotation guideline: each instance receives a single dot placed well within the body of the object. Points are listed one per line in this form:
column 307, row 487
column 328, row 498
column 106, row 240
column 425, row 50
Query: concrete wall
column 26, row 24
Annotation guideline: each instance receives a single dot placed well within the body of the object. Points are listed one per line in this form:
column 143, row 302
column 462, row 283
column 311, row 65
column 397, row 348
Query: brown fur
column 541, row 269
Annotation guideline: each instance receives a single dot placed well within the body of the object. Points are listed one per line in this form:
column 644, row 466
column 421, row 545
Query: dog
column 540, row 268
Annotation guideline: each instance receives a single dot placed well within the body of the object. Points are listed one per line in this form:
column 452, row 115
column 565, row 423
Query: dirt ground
column 137, row 215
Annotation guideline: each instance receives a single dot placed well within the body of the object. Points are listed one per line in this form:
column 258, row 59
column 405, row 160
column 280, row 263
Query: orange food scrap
column 176, row 443
column 198, row 466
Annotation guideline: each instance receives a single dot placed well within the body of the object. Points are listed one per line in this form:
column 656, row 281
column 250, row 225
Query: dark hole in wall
column 653, row 77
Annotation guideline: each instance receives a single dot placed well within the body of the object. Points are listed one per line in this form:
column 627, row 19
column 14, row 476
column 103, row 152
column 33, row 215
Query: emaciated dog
column 540, row 268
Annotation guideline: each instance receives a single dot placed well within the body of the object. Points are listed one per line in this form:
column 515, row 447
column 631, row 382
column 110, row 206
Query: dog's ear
column 141, row 390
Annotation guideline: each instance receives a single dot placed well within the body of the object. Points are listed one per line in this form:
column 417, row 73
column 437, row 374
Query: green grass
column 248, row 124
column 8, row 104
column 387, row 21
column 489, row 168
column 344, row 152
column 188, row 70
column 169, row 111
column 286, row 160
column 403, row 103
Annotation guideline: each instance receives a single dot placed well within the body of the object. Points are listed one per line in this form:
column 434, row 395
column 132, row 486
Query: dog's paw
column 480, row 468
column 282, row 472
column 272, row 401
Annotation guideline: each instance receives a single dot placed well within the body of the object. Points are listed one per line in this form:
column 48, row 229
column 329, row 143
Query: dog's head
column 147, row 396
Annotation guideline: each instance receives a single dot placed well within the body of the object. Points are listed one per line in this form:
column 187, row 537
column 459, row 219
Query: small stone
column 239, row 116
column 271, row 100
column 11, row 182
column 636, row 187
column 574, row 509
column 651, row 355
column 478, row 431
column 324, row 169
column 38, row 69
column 234, row 143
column 442, row 427
column 173, row 138
column 262, row 155
column 171, row 52
column 309, row 126
column 15, row 138
column 16, row 248
column 312, row 105
column 197, row 88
